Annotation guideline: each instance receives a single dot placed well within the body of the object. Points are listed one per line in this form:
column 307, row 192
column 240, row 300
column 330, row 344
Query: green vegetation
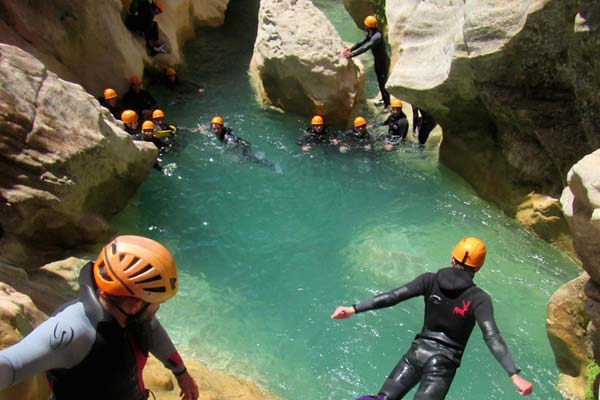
column 380, row 12
column 593, row 371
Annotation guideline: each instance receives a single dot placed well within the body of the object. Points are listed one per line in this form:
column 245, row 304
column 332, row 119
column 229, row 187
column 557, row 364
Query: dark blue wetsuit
column 453, row 304
column 310, row 137
column 397, row 129
column 86, row 354
column 374, row 40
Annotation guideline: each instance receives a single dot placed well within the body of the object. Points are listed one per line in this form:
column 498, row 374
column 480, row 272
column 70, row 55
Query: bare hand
column 335, row 141
column 343, row 312
column 346, row 52
column 306, row 148
column 367, row 147
column 344, row 149
column 189, row 388
column 524, row 387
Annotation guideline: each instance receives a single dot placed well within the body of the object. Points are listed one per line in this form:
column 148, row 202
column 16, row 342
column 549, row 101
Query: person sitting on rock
column 162, row 130
column 316, row 134
column 130, row 120
column 110, row 100
column 423, row 124
column 96, row 346
column 138, row 99
column 397, row 126
column 374, row 40
column 358, row 138
column 140, row 19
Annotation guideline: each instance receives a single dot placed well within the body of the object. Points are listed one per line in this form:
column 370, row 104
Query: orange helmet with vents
column 170, row 71
column 158, row 114
column 470, row 252
column 371, row 21
column 109, row 94
column 135, row 266
column 359, row 121
column 396, row 103
column 316, row 120
column 216, row 120
column 128, row 116
column 147, row 126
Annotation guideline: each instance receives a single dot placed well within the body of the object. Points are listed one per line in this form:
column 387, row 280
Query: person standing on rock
column 95, row 347
column 374, row 40
column 453, row 304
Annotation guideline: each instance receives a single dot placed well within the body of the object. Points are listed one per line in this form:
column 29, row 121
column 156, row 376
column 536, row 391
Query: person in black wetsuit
column 374, row 40
column 95, row 347
column 130, row 120
column 453, row 304
column 138, row 99
column 140, row 19
column 110, row 100
column 397, row 126
column 147, row 135
column 162, row 130
column 423, row 124
column 316, row 134
column 358, row 138
column 175, row 84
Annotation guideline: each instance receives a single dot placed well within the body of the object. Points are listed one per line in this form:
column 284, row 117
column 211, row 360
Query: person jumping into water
column 453, row 303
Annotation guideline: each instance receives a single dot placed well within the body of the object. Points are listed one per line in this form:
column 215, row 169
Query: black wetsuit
column 374, row 40
column 397, row 129
column 115, row 111
column 424, row 122
column 131, row 131
column 356, row 141
column 140, row 18
column 452, row 306
column 137, row 102
column 310, row 137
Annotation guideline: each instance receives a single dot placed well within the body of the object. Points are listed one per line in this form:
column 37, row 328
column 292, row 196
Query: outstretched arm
column 366, row 44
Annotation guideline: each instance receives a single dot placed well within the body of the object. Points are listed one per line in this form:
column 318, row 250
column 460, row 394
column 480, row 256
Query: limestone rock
column 87, row 42
column 359, row 9
column 67, row 165
column 566, row 325
column 297, row 63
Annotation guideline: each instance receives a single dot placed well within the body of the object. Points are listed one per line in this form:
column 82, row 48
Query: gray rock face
column 66, row 164
column 298, row 65
column 359, row 9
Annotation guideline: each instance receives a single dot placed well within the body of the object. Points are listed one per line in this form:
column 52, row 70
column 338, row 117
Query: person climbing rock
column 316, row 134
column 110, row 100
column 138, row 99
column 130, row 120
column 423, row 124
column 374, row 40
column 140, row 19
column 96, row 346
column 357, row 138
column 453, row 304
column 397, row 126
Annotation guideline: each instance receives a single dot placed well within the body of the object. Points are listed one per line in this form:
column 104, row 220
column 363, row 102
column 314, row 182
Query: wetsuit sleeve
column 367, row 44
column 412, row 289
column 164, row 349
column 386, row 122
column 304, row 139
column 484, row 314
column 62, row 341
column 363, row 41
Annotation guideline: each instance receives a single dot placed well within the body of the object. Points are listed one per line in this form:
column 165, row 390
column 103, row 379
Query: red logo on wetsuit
column 463, row 310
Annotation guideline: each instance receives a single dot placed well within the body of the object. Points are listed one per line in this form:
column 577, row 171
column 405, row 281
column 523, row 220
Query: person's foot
column 386, row 109
column 379, row 102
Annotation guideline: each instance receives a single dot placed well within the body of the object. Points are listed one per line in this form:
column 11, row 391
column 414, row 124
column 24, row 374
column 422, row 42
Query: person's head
column 135, row 83
column 317, row 123
column 148, row 128
column 360, row 125
column 396, row 106
column 171, row 74
column 158, row 117
column 216, row 123
column 370, row 22
column 130, row 118
column 110, row 96
column 134, row 275
column 469, row 254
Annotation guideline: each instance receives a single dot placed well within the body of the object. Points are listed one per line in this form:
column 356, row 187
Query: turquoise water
column 266, row 256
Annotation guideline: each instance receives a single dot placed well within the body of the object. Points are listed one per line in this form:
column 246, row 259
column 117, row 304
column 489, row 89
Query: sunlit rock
column 298, row 65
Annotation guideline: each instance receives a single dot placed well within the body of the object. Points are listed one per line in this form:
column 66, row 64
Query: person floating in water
column 138, row 99
column 397, row 126
column 178, row 85
column 316, row 134
column 374, row 40
column 162, row 130
column 140, row 19
column 357, row 138
column 453, row 304
column 110, row 100
column 423, row 124
column 130, row 120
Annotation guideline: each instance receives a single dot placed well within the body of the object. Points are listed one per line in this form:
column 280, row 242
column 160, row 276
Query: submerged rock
column 67, row 164
column 297, row 63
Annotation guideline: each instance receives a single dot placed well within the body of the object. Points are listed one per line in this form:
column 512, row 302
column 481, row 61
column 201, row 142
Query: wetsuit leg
column 404, row 376
column 437, row 377
column 424, row 132
column 381, row 70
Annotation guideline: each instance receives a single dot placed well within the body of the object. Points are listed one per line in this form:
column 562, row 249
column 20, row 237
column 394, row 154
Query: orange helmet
column 216, row 120
column 147, row 125
column 170, row 71
column 316, row 120
column 158, row 114
column 135, row 79
column 135, row 266
column 129, row 116
column 396, row 103
column 370, row 21
column 359, row 121
column 470, row 252
column 109, row 94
